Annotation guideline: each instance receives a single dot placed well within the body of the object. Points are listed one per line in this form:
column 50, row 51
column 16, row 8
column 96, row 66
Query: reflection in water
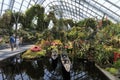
column 34, row 70
column 44, row 69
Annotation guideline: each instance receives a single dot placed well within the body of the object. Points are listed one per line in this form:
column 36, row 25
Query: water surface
column 15, row 68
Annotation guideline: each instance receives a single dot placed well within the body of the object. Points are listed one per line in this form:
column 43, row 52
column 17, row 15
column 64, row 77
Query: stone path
column 5, row 53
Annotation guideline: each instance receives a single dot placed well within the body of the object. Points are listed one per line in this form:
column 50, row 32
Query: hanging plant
column 51, row 16
column 37, row 11
column 6, row 22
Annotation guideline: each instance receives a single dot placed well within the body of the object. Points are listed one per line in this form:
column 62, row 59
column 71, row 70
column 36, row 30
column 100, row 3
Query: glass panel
column 16, row 6
column 25, row 3
column 74, row 6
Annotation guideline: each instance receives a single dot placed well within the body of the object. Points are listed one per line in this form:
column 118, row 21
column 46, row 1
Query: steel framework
column 75, row 9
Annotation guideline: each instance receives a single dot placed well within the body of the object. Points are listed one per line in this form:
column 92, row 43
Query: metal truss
column 79, row 8
column 77, row 11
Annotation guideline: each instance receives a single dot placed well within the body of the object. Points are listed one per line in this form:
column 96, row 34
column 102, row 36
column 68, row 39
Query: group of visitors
column 14, row 42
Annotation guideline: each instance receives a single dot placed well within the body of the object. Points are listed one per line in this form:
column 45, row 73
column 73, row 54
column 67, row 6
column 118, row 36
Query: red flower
column 116, row 56
column 35, row 49
column 54, row 43
column 47, row 43
column 66, row 47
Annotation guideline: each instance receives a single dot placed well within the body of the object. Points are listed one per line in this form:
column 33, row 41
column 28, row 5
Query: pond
column 15, row 68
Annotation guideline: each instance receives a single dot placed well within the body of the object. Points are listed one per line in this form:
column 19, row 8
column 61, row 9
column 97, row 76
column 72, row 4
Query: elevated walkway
column 5, row 53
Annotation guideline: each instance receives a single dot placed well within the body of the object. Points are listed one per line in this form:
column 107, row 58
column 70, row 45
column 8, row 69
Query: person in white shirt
column 17, row 42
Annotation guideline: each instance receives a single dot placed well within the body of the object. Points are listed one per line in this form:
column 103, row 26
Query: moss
column 31, row 55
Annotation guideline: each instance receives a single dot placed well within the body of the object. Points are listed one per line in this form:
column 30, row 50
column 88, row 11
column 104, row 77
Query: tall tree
column 5, row 22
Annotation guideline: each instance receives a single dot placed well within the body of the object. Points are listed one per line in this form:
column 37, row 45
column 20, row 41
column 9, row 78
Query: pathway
column 5, row 53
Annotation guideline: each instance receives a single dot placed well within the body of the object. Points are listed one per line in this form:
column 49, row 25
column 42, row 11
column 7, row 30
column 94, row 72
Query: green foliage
column 90, row 22
column 117, row 64
column 21, row 18
column 5, row 39
column 51, row 16
column 28, row 37
column 47, row 35
column 109, row 35
column 106, row 23
column 55, row 32
column 77, row 33
column 63, row 36
column 68, row 21
column 32, row 55
column 38, row 36
column 102, row 55
column 82, row 52
column 72, row 34
column 112, row 70
column 61, row 25
column 35, row 10
column 81, row 23
column 5, row 22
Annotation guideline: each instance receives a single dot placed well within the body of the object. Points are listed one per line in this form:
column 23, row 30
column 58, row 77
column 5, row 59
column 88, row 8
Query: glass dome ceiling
column 70, row 9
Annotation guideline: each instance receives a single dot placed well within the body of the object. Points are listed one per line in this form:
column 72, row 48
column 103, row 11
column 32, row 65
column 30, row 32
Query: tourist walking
column 12, row 42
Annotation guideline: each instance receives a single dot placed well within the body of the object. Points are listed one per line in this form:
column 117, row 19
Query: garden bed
column 107, row 74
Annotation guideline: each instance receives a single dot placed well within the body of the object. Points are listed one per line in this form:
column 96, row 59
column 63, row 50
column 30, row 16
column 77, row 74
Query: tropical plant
column 51, row 16
column 32, row 55
column 5, row 23
column 31, row 13
column 72, row 34
column 90, row 22
column 81, row 23
column 103, row 56
column 117, row 64
column 68, row 21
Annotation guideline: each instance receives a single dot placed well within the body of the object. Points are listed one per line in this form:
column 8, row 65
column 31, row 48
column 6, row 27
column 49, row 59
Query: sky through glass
column 75, row 9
